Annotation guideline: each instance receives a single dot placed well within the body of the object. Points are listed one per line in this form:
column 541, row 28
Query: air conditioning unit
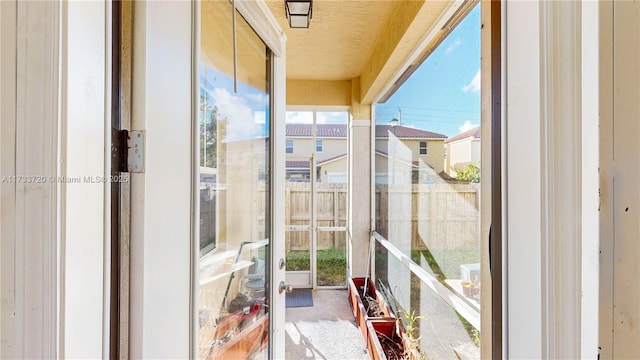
column 470, row 272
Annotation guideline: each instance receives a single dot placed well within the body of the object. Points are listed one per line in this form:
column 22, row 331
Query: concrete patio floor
column 325, row 331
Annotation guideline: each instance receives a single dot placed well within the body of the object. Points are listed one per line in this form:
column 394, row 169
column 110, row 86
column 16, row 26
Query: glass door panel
column 298, row 220
column 316, row 195
column 234, row 151
column 298, row 261
column 331, row 197
column 427, row 195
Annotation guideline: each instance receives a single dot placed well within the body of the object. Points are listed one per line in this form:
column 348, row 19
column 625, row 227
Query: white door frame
column 551, row 178
column 302, row 279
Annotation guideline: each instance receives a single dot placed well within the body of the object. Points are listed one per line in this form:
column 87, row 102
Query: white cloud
column 299, row 117
column 453, row 46
column 474, row 85
column 332, row 117
column 260, row 117
column 241, row 117
column 466, row 126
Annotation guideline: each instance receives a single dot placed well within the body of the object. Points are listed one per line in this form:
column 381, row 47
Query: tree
column 212, row 130
column 470, row 173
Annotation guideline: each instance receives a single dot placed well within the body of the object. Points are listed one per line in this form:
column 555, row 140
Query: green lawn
column 331, row 265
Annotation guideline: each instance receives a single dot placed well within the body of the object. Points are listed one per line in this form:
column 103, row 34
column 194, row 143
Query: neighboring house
column 422, row 150
column 462, row 150
column 330, row 149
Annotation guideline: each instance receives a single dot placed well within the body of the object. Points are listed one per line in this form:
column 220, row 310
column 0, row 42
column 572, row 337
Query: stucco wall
column 463, row 151
column 336, row 167
column 435, row 151
column 330, row 147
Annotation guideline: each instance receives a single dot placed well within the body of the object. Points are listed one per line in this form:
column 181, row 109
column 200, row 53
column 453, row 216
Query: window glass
column 427, row 204
column 289, row 146
column 423, row 148
column 319, row 146
column 234, row 188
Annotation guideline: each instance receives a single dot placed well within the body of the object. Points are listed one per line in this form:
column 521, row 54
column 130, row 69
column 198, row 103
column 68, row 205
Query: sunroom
column 220, row 179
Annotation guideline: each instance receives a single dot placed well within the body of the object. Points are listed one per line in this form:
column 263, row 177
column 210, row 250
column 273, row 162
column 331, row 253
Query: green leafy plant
column 412, row 343
column 470, row 173
column 410, row 326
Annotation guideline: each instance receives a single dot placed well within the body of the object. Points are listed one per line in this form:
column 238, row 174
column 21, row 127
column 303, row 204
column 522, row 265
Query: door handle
column 285, row 288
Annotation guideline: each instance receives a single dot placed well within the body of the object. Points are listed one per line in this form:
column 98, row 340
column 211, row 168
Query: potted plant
column 411, row 342
column 366, row 305
column 383, row 341
column 395, row 338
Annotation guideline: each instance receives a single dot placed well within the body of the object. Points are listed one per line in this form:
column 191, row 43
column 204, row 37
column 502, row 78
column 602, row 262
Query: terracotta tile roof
column 475, row 133
column 297, row 164
column 324, row 130
column 382, row 131
column 327, row 160
column 302, row 164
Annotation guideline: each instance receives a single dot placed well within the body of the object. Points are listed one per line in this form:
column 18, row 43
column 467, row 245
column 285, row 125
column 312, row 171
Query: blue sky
column 443, row 94
column 248, row 107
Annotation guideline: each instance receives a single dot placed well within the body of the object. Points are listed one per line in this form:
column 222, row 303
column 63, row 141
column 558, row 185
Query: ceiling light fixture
column 298, row 13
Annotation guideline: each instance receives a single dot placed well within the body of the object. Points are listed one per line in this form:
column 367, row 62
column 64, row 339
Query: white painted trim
column 590, row 148
column 106, row 191
column 29, row 62
column 84, row 99
column 561, row 178
column 607, row 169
column 504, row 180
column 552, row 143
column 469, row 312
column 278, row 166
column 263, row 22
column 522, row 182
column 194, row 265
column 10, row 344
column 162, row 71
column 372, row 178
column 319, row 108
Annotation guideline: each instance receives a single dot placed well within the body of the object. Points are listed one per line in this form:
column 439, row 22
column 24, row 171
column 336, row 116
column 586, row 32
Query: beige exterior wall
column 403, row 171
column 435, row 151
column 334, row 167
column 463, row 151
column 330, row 147
column 319, row 92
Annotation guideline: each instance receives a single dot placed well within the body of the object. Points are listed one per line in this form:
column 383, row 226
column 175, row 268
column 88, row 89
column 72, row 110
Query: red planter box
column 357, row 305
column 250, row 340
column 385, row 329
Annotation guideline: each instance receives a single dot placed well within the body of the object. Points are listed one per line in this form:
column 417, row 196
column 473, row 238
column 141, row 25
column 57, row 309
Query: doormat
column 299, row 298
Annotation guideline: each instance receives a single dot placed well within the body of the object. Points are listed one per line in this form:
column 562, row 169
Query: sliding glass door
column 234, row 186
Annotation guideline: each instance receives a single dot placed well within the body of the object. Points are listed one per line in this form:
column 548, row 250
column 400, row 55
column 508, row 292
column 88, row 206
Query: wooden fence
column 331, row 205
column 440, row 216
column 443, row 216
